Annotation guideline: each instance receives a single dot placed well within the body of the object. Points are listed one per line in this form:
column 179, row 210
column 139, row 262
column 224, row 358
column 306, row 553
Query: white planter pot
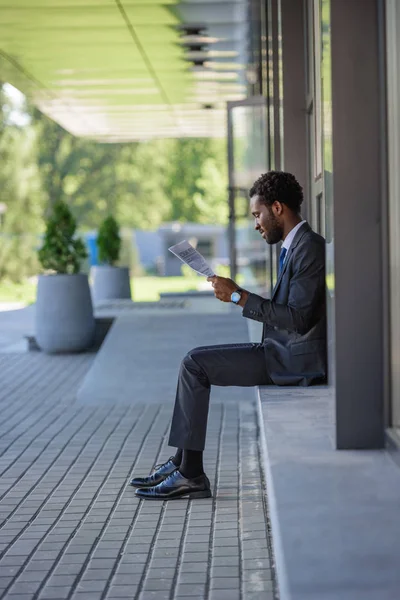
column 64, row 313
column 110, row 283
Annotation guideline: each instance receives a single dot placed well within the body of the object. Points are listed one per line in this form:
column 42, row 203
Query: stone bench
column 334, row 514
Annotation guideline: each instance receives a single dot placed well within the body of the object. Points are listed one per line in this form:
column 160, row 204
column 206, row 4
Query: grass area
column 149, row 288
column 18, row 292
column 144, row 289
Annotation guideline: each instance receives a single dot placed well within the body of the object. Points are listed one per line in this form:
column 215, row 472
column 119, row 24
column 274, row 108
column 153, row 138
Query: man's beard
column 275, row 232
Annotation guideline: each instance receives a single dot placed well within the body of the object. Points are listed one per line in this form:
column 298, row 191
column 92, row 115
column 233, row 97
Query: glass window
column 314, row 110
column 248, row 135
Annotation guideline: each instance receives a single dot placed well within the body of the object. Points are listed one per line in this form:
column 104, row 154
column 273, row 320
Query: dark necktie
column 282, row 259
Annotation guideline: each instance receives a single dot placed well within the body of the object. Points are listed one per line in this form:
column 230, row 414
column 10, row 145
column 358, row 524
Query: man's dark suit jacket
column 294, row 333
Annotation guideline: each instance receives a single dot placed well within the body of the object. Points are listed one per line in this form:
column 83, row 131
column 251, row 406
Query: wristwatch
column 236, row 296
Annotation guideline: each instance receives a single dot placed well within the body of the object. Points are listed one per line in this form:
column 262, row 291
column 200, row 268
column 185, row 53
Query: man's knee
column 190, row 358
column 195, row 363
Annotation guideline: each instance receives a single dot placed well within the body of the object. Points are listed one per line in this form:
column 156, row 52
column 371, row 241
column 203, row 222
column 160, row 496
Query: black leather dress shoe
column 177, row 486
column 157, row 476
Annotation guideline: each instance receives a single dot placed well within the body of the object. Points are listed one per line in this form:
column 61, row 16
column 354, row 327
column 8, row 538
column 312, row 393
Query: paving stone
column 226, row 542
column 196, row 547
column 193, row 577
column 195, row 557
column 197, row 538
column 24, row 587
column 156, row 595
column 183, row 589
column 89, row 529
column 194, row 567
column 101, row 563
column 72, row 558
column 87, row 596
column 157, row 584
column 69, row 569
column 5, row 581
column 256, row 564
column 225, row 571
column 163, row 562
column 259, row 596
column 226, row 534
column 225, row 583
column 54, row 593
column 37, row 565
column 226, row 550
column 133, row 578
column 131, row 568
column 31, row 576
column 92, row 586
column 218, row 594
column 191, row 597
column 258, row 586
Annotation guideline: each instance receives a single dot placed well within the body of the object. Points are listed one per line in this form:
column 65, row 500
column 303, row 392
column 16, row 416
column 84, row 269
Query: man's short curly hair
column 280, row 186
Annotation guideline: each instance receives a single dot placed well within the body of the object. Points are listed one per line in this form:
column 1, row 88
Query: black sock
column 192, row 464
column 177, row 459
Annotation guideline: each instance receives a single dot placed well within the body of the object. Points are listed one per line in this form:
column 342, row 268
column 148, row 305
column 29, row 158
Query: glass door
column 316, row 207
column 248, row 158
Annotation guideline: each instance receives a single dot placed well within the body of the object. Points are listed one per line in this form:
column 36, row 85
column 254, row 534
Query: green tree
column 186, row 174
column 109, row 241
column 62, row 251
column 97, row 179
column 211, row 198
column 141, row 184
column 20, row 197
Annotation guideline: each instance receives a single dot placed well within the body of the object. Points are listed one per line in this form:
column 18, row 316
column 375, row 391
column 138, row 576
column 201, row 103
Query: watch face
column 235, row 297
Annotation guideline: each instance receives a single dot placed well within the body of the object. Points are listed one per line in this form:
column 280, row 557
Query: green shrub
column 109, row 241
column 62, row 251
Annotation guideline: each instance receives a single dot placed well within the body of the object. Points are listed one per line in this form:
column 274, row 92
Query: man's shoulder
column 311, row 243
column 311, row 237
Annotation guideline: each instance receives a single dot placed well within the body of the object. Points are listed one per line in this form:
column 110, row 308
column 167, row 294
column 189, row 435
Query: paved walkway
column 71, row 528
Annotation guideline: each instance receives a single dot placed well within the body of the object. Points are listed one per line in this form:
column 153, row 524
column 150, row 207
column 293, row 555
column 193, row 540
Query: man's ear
column 277, row 208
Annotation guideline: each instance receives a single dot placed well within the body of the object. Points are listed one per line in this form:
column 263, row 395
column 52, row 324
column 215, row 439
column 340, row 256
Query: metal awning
column 121, row 70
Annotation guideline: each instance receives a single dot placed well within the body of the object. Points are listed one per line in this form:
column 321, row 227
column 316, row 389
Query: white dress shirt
column 290, row 237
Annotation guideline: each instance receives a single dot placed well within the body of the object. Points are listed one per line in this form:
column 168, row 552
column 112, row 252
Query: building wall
column 393, row 116
column 326, row 114
column 333, row 117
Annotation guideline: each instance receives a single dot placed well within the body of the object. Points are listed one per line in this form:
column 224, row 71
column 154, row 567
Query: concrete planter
column 110, row 283
column 64, row 313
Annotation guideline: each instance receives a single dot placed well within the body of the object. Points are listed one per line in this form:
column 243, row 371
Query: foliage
column 109, row 241
column 144, row 289
column 24, row 293
column 20, row 198
column 62, row 252
column 141, row 184
column 196, row 181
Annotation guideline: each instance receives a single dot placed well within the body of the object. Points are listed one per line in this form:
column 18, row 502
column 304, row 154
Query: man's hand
column 223, row 288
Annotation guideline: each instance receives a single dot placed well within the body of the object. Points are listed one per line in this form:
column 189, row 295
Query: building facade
column 325, row 92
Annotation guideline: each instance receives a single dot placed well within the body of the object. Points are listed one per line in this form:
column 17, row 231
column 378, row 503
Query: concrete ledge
column 140, row 358
column 334, row 514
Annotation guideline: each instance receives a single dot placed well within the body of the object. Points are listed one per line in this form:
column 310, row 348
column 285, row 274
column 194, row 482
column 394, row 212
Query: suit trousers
column 240, row 365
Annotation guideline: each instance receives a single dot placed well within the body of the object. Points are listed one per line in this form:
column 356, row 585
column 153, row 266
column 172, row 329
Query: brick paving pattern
column 71, row 528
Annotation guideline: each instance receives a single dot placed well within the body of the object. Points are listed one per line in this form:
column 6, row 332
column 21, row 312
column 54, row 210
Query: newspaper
column 189, row 255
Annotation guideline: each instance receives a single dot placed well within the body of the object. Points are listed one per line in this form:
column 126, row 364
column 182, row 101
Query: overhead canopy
column 121, row 70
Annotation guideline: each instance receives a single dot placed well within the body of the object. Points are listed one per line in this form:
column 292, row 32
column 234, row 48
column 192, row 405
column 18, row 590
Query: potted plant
column 64, row 311
column 110, row 282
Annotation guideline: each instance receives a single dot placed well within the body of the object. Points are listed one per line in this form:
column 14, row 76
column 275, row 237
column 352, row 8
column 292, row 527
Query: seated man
column 293, row 348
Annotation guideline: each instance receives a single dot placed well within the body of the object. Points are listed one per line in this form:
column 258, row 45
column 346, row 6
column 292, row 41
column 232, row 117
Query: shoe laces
column 170, row 476
column 162, row 464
